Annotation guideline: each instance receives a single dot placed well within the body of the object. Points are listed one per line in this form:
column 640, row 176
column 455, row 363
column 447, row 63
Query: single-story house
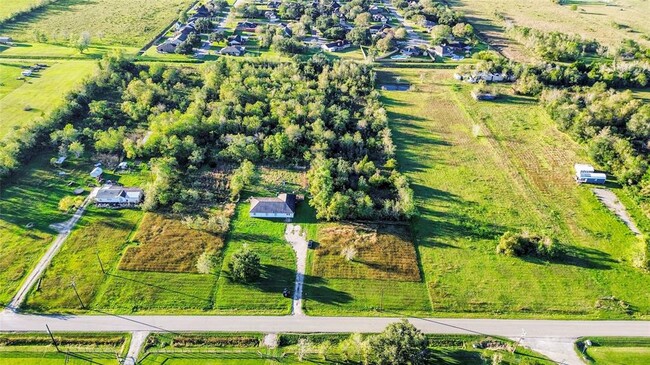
column 96, row 172
column 286, row 31
column 236, row 40
column 233, row 51
column 6, row 40
column 203, row 12
column 284, row 206
column 379, row 28
column 585, row 174
column 442, row 51
column 60, row 160
column 169, row 46
column 336, row 45
column 247, row 26
column 27, row 73
column 119, row 195
column 379, row 18
column 374, row 9
column 411, row 51
column 272, row 16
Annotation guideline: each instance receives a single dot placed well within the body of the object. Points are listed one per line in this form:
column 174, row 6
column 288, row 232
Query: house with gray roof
column 118, row 195
column 283, row 206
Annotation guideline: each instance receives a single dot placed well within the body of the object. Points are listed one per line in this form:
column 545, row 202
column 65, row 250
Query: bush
column 244, row 266
column 524, row 244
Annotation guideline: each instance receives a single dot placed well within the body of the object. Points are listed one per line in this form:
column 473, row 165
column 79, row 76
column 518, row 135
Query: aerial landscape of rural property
column 324, row 181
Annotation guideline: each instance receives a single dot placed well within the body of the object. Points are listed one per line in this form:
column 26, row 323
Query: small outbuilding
column 284, row 206
column 586, row 174
column 96, row 172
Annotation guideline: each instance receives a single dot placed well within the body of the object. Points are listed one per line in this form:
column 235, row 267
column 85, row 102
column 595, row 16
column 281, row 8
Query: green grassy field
column 100, row 232
column 31, row 198
column 266, row 238
column 608, row 22
column 618, row 350
column 11, row 7
column 37, row 349
column 42, row 93
column 117, row 22
column 516, row 175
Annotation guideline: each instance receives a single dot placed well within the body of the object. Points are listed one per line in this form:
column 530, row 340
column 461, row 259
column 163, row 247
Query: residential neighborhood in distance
column 393, row 182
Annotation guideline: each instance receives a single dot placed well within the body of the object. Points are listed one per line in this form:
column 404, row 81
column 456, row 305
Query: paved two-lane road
column 512, row 328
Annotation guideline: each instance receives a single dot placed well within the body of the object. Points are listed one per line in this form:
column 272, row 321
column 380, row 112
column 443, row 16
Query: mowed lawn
column 266, row 238
column 516, row 175
column 116, row 22
column 619, row 351
column 42, row 93
column 28, row 205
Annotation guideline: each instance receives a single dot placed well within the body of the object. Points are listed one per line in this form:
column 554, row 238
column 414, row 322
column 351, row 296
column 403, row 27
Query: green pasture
column 479, row 169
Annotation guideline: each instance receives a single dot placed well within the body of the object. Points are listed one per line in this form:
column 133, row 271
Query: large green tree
column 400, row 344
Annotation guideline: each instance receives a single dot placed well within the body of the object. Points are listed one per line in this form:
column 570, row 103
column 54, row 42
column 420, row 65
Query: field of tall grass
column 479, row 169
column 115, row 22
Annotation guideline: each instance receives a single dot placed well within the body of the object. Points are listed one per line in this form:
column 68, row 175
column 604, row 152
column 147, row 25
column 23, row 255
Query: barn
column 283, row 206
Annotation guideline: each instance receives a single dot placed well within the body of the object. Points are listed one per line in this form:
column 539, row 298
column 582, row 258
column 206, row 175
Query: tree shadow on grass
column 582, row 257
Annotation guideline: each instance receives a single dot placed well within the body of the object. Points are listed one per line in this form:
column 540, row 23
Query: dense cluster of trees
column 429, row 10
column 553, row 46
column 531, row 79
column 23, row 142
column 315, row 112
column 615, row 125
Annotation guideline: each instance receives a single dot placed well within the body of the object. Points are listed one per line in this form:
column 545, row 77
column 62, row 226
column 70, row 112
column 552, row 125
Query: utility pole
column 52, row 337
column 74, row 286
column 101, row 265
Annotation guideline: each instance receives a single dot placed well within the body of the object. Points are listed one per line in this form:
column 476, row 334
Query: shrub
column 244, row 266
column 523, row 244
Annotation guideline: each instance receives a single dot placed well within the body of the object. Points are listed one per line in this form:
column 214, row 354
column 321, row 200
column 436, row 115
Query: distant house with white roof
column 118, row 195
column 586, row 174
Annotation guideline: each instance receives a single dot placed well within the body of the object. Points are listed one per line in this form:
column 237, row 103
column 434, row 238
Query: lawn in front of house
column 479, row 169
column 266, row 238
column 28, row 205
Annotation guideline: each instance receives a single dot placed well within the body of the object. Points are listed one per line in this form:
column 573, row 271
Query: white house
column 119, row 195
column 284, row 206
column 336, row 46
column 585, row 174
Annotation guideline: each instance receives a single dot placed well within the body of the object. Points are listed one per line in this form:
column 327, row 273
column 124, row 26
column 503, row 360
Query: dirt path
column 612, row 203
column 137, row 342
column 64, row 229
column 298, row 242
